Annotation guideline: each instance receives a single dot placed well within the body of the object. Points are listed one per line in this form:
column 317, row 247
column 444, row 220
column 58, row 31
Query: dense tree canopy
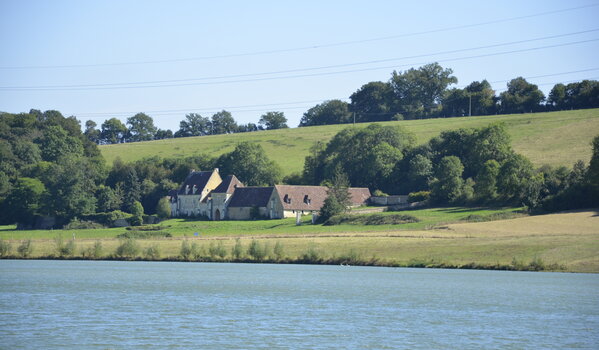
column 373, row 102
column 113, row 131
column 249, row 163
column 418, row 92
column 273, row 120
column 194, row 125
column 367, row 155
column 328, row 112
column 141, row 128
column 223, row 123
column 521, row 97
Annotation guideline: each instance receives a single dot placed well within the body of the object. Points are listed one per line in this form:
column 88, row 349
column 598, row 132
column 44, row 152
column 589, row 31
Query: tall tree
column 521, row 97
column 194, row 125
column 249, row 163
column 419, row 91
column 56, row 142
column 113, row 131
column 24, row 202
column 372, row 102
column 141, row 128
column 326, row 113
column 338, row 197
column 223, row 123
column 273, row 120
column 91, row 132
column 448, row 183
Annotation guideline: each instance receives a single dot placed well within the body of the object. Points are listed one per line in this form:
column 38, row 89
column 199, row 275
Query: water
column 124, row 305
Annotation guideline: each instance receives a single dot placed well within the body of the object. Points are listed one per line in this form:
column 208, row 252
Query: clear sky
column 102, row 59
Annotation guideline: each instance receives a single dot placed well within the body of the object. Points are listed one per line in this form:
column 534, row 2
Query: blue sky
column 102, row 59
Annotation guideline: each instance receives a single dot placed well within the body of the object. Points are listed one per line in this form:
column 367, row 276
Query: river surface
column 160, row 305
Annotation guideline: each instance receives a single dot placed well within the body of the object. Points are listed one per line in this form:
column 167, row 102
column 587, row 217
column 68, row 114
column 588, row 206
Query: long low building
column 206, row 195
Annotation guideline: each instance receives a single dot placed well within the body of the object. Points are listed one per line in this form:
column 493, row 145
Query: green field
column 565, row 241
column 554, row 138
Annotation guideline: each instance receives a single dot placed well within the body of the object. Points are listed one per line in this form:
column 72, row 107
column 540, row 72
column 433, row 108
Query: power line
column 278, row 106
column 303, row 48
column 190, row 82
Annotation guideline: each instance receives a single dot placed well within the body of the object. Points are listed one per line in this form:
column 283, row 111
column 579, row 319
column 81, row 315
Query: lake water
column 123, row 305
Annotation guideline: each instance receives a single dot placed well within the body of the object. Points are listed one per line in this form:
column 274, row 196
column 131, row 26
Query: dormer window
column 307, row 199
column 195, row 189
column 287, row 199
column 186, row 189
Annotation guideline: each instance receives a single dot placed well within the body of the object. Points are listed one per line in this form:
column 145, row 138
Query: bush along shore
column 130, row 249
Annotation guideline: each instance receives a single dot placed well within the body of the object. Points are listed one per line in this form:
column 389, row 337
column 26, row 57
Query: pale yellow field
column 569, row 241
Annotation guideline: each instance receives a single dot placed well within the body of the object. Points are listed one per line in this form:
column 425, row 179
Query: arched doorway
column 217, row 215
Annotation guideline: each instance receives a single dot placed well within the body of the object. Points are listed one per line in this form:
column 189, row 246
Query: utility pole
column 470, row 105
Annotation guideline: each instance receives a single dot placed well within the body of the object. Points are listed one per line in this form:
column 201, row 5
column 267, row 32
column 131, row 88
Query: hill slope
column 554, row 138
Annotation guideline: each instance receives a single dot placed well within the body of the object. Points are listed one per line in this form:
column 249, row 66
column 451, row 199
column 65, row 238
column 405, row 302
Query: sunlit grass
column 554, row 138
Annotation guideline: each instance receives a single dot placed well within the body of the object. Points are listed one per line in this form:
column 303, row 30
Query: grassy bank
column 562, row 242
column 542, row 137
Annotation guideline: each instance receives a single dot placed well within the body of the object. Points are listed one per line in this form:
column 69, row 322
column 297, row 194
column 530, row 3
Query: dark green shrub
column 76, row 224
column 379, row 193
column 144, row 234
column 163, row 208
column 420, row 196
column 371, row 219
column 107, row 219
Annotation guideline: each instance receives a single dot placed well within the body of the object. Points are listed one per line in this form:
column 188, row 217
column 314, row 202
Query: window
column 307, row 199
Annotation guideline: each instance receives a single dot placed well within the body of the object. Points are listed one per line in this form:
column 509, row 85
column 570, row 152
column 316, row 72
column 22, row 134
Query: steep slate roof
column 228, row 185
column 198, row 178
column 251, row 197
column 294, row 197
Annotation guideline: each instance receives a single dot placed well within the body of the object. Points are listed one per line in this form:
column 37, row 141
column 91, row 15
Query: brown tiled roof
column 228, row 185
column 198, row 178
column 359, row 195
column 251, row 197
column 294, row 197
column 312, row 198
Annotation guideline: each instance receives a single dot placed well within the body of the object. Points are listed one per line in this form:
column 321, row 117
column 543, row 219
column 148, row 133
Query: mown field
column 554, row 138
column 444, row 237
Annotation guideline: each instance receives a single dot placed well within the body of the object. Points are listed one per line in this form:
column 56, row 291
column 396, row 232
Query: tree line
column 464, row 166
column 413, row 94
column 140, row 127
column 424, row 93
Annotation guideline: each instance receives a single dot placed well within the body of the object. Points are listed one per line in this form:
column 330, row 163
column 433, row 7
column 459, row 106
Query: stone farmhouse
column 205, row 194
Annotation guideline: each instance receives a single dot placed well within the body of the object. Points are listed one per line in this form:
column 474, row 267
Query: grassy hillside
column 565, row 241
column 555, row 138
